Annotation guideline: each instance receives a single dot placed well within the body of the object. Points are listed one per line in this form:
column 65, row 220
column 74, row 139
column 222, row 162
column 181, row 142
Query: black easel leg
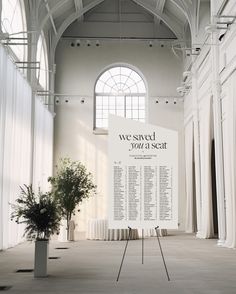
column 168, row 277
column 142, row 246
column 124, row 254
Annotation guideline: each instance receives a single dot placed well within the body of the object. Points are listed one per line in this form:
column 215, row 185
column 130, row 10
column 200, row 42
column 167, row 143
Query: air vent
column 5, row 288
column 25, row 270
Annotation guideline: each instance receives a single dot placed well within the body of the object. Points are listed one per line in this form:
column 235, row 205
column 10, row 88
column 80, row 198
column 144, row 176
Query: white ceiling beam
column 173, row 25
column 197, row 15
column 185, row 8
column 50, row 16
column 52, row 11
column 79, row 6
column 159, row 7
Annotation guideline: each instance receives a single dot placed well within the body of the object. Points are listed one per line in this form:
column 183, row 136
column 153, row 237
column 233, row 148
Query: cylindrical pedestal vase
column 41, row 258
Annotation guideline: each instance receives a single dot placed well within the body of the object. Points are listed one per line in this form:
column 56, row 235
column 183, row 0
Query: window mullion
column 124, row 105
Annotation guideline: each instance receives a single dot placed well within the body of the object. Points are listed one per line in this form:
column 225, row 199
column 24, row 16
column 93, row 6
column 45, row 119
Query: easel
column 126, row 245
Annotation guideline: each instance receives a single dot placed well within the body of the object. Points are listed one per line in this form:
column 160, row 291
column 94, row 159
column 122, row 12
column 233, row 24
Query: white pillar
column 197, row 151
column 216, row 92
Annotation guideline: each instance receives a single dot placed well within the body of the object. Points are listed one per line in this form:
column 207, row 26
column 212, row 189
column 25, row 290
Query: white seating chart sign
column 143, row 169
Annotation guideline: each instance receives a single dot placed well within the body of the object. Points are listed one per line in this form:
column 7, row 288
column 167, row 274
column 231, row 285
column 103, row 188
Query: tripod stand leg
column 123, row 257
column 142, row 246
column 168, row 277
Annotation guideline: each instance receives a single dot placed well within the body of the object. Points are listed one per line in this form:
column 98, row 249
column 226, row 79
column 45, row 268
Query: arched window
column 120, row 91
column 42, row 57
column 14, row 23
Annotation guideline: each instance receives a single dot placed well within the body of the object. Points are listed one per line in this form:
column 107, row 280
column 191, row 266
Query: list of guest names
column 142, row 192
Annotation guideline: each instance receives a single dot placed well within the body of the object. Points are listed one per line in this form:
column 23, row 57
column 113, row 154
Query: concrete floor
column 195, row 266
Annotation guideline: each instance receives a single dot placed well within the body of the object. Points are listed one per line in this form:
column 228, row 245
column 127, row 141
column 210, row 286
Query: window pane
column 135, row 102
column 107, row 89
column 135, row 113
column 110, row 82
column 99, row 113
column 120, row 102
column 105, row 102
column 128, row 102
column 112, row 111
column 141, row 113
column 133, row 89
column 141, row 87
column 129, row 113
column 99, row 100
column 125, row 71
column 135, row 76
column 141, row 102
column 105, row 76
column 105, row 113
column 99, row 123
column 112, row 102
column 115, row 71
column 130, row 82
column 120, row 112
column 123, row 79
column 99, row 87
column 105, row 123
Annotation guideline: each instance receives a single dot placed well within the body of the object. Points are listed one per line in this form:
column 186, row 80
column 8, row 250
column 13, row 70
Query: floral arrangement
column 38, row 211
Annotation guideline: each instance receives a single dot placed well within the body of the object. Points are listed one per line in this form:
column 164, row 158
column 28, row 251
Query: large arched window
column 42, row 57
column 14, row 23
column 120, row 91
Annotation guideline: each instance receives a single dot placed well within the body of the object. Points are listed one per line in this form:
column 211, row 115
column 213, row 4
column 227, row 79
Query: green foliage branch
column 38, row 211
column 71, row 184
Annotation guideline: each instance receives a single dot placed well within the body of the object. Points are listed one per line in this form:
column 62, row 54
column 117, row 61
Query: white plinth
column 41, row 259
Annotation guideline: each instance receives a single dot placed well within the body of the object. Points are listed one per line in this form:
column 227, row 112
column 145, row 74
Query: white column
column 216, row 92
column 32, row 53
column 197, row 151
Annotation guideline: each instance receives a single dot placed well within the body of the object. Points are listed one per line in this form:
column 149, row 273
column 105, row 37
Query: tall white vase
column 41, row 258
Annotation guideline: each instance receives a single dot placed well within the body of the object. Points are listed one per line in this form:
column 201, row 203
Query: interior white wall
column 77, row 71
column 205, row 69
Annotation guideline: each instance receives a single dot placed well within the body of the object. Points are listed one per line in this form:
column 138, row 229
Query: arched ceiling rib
column 174, row 26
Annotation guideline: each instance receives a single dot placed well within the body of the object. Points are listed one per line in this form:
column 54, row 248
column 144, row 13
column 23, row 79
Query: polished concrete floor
column 195, row 266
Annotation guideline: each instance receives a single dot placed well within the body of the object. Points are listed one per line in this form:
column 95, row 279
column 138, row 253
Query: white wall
column 206, row 83
column 77, row 71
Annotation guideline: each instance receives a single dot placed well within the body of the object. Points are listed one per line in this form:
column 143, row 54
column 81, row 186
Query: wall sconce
column 220, row 25
column 192, row 51
column 186, row 74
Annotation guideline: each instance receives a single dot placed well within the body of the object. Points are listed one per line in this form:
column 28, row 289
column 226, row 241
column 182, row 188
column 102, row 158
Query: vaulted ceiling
column 163, row 19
